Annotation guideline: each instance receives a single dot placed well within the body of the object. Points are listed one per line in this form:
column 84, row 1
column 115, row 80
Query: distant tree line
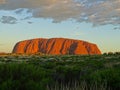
column 111, row 53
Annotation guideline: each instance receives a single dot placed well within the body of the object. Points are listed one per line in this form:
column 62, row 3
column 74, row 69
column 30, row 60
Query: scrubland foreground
column 63, row 72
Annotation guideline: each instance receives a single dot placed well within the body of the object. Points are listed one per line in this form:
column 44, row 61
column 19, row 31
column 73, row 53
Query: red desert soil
column 56, row 46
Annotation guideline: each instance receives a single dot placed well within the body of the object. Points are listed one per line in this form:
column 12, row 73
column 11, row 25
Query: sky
column 95, row 21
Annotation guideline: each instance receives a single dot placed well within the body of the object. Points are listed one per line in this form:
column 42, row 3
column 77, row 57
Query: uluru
column 56, row 46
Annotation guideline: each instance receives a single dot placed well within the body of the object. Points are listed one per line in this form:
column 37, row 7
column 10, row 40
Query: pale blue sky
column 95, row 21
column 105, row 36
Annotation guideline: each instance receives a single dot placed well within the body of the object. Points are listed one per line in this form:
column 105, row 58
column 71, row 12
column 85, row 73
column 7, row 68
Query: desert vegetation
column 60, row 72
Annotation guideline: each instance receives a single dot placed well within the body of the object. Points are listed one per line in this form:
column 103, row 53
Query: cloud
column 15, row 16
column 8, row 20
column 29, row 22
column 98, row 12
column 117, row 28
column 2, row 1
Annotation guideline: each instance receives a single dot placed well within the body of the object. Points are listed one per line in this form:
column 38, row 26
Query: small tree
column 110, row 53
column 117, row 53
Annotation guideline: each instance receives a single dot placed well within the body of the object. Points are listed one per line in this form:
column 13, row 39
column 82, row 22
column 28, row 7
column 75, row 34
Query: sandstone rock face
column 56, row 46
